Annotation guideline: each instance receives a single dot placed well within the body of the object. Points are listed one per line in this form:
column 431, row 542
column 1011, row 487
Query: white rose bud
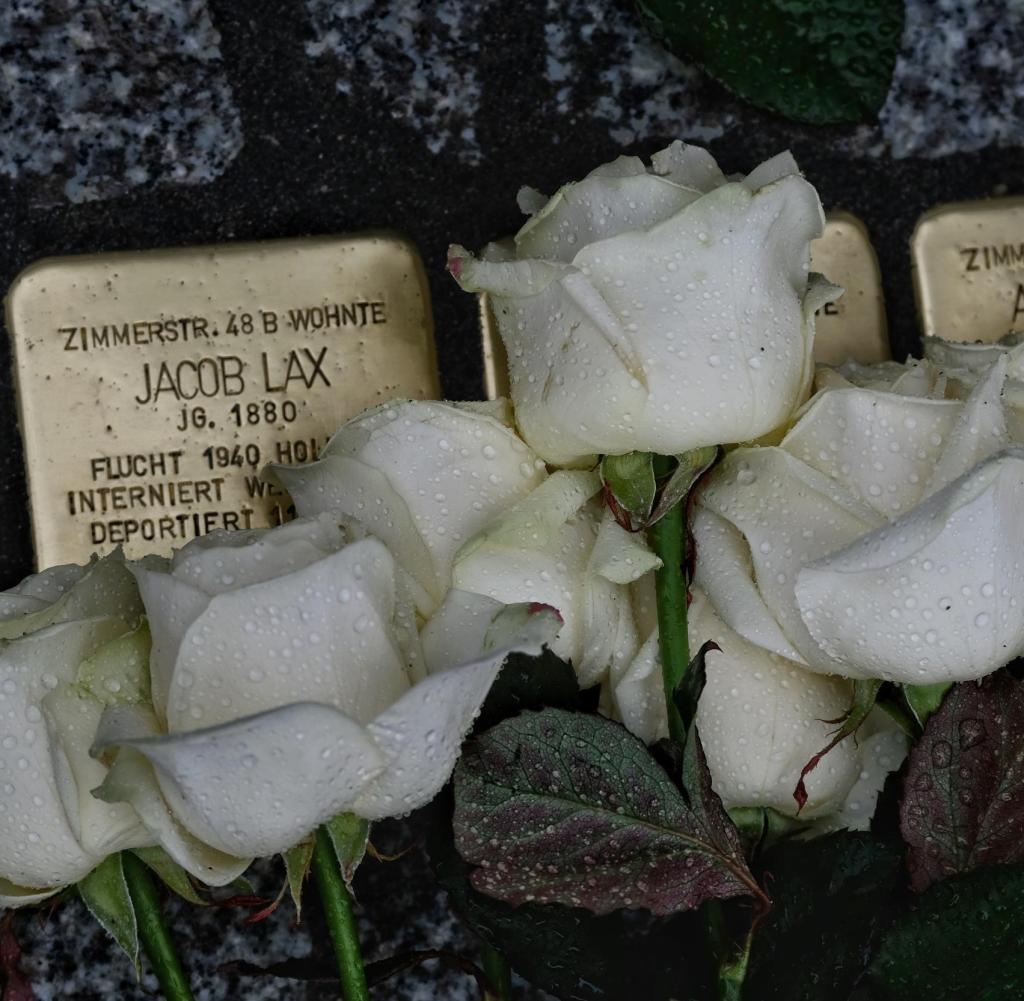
column 421, row 476
column 881, row 539
column 761, row 719
column 69, row 644
column 659, row 308
column 288, row 687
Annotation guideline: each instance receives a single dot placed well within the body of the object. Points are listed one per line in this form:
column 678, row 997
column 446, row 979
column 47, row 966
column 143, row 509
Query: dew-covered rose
column 561, row 547
column 463, row 503
column 658, row 308
column 69, row 642
column 882, row 538
column 761, row 718
column 287, row 687
column 424, row 477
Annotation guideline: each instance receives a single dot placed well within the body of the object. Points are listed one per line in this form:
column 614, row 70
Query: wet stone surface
column 171, row 122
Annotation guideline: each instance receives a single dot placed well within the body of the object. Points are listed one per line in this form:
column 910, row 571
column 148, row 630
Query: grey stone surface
column 107, row 96
column 143, row 123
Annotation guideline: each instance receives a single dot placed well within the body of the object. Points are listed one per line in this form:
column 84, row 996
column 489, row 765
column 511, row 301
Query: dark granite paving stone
column 425, row 117
column 107, row 96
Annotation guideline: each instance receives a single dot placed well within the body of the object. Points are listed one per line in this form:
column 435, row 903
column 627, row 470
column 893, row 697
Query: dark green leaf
column 688, row 691
column 963, row 797
column 173, row 876
column 864, row 695
column 831, row 899
column 349, row 834
column 963, row 940
column 691, row 466
column 576, row 811
column 815, row 61
column 105, row 892
column 923, row 700
column 569, row 952
column 530, row 683
column 629, row 488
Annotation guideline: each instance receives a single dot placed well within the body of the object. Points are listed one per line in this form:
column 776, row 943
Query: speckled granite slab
column 147, row 123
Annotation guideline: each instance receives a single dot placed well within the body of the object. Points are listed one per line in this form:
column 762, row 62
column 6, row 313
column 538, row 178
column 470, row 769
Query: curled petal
column 934, row 596
column 132, row 781
column 420, row 736
column 257, row 786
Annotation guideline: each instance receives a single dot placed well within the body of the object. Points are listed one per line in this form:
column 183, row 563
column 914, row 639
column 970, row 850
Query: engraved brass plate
column 968, row 261
column 154, row 386
column 852, row 327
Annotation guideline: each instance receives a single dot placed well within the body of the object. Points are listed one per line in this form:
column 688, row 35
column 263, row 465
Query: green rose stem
column 341, row 919
column 153, row 934
column 499, row 976
column 668, row 539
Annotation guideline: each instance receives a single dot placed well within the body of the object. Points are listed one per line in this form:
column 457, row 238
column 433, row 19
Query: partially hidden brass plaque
column 154, row 386
column 852, row 327
column 968, row 261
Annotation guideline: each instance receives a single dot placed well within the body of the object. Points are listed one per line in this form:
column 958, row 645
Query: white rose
column 657, row 309
column 463, row 503
column 881, row 539
column 561, row 547
column 761, row 719
column 67, row 641
column 287, row 688
column 423, row 477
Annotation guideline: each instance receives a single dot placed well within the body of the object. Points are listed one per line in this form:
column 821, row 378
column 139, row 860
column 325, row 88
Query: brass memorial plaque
column 852, row 327
column 154, row 386
column 968, row 261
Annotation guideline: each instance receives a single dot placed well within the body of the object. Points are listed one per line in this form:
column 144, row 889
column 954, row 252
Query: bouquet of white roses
column 732, row 640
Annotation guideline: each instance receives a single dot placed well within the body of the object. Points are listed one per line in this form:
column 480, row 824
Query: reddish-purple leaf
column 560, row 807
column 963, row 797
column 15, row 986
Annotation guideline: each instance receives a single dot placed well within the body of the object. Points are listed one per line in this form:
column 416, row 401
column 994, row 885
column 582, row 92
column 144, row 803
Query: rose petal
column 132, row 780
column 173, row 606
column 725, row 573
column 980, row 430
column 725, row 324
column 457, row 631
column 790, row 515
column 321, row 634
column 259, row 785
column 762, row 718
column 100, row 828
column 227, row 560
column 690, row 166
column 596, row 208
column 879, row 446
column 421, row 735
column 620, row 556
column 17, row 896
column 38, row 844
column 354, row 489
column 933, row 596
